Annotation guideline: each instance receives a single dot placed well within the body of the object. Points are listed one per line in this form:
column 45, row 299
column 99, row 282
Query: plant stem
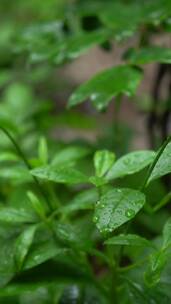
column 155, row 162
column 27, row 164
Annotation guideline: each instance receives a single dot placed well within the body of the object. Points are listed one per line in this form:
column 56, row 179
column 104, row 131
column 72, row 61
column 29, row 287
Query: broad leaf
column 116, row 207
column 163, row 165
column 103, row 160
column 130, row 163
column 148, row 55
column 109, row 83
column 129, row 240
column 65, row 175
column 23, row 244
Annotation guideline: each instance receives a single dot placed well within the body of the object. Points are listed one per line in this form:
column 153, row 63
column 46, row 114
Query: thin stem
column 155, row 162
column 27, row 164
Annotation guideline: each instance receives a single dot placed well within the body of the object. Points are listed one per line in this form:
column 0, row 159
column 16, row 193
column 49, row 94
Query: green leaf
column 103, row 160
column 156, row 265
column 42, row 252
column 70, row 154
column 107, row 84
column 167, row 234
column 149, row 55
column 130, row 164
column 23, row 245
column 82, row 201
column 116, row 207
column 163, row 165
column 129, row 240
column 37, row 205
column 43, row 150
column 16, row 216
column 64, row 175
column 97, row 181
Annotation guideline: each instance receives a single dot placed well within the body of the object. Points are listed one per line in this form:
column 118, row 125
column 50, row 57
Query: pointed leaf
column 129, row 240
column 65, row 175
column 37, row 205
column 23, row 244
column 116, row 207
column 107, row 84
column 163, row 165
column 43, row 150
column 130, row 164
column 103, row 160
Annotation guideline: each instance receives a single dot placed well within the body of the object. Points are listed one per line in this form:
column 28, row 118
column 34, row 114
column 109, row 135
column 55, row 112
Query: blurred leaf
column 23, row 245
column 148, row 55
column 84, row 200
column 129, row 240
column 107, row 84
column 70, row 154
column 64, row 175
column 38, row 206
column 130, row 164
column 103, row 160
column 43, row 150
column 116, row 207
column 16, row 216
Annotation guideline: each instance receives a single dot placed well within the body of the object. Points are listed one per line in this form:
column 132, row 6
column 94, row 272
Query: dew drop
column 129, row 213
column 102, row 206
column 97, row 203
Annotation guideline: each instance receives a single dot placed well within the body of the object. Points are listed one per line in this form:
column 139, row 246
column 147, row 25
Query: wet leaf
column 103, row 160
column 116, row 207
column 128, row 240
column 130, row 164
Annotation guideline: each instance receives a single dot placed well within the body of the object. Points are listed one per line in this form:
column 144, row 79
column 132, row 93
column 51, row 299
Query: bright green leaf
column 37, row 205
column 103, row 160
column 43, row 150
column 70, row 154
column 16, row 216
column 107, row 84
column 130, row 164
column 116, row 207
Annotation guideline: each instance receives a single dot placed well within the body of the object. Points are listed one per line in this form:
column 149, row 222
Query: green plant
column 82, row 222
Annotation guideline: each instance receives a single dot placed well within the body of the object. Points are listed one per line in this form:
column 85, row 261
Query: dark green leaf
column 156, row 265
column 107, row 84
column 130, row 164
column 116, row 207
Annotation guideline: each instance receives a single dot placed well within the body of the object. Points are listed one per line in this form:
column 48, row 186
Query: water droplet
column 97, row 203
column 119, row 190
column 129, row 213
column 102, row 206
column 110, row 229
